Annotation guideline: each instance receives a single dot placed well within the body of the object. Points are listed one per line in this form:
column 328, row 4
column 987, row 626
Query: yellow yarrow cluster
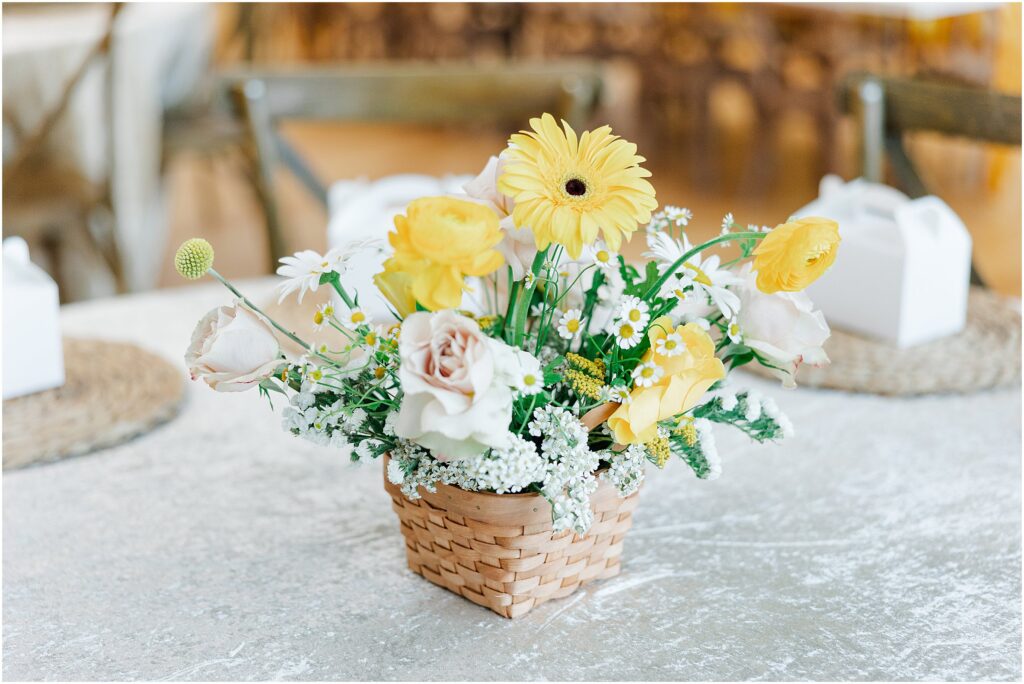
column 583, row 384
column 689, row 432
column 659, row 449
column 594, row 368
column 194, row 258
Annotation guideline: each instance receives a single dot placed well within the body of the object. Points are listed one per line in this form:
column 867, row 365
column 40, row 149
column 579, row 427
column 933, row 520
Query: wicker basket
column 499, row 551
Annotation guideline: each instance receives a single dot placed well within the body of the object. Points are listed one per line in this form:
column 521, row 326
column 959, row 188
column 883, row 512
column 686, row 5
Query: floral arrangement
column 522, row 353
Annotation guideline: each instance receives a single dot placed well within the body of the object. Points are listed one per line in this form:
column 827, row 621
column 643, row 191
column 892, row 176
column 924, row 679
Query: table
column 111, row 130
column 882, row 542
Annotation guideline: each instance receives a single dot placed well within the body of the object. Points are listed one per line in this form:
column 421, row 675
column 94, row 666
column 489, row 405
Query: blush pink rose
column 457, row 400
column 233, row 349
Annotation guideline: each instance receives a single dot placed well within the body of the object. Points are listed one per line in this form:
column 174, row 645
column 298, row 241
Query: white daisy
column 670, row 345
column 529, row 279
column 617, row 393
column 659, row 222
column 634, row 311
column 570, row 324
column 530, row 379
column 727, row 222
column 303, row 271
column 322, row 317
column 604, row 258
column 371, row 340
column 626, row 334
column 354, row 318
column 705, row 277
column 646, row 374
column 679, row 216
column 734, row 332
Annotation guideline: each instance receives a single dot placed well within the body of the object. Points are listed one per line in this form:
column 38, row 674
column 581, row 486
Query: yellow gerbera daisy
column 566, row 189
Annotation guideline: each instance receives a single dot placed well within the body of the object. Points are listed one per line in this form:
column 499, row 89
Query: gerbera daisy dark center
column 575, row 187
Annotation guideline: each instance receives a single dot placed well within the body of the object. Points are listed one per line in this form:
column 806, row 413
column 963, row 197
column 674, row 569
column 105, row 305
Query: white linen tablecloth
column 881, row 542
column 158, row 54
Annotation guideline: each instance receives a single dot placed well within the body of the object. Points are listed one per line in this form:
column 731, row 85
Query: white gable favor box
column 33, row 353
column 904, row 266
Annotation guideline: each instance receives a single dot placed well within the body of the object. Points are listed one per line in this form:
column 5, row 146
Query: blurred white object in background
column 903, row 270
column 363, row 209
column 111, row 130
column 33, row 353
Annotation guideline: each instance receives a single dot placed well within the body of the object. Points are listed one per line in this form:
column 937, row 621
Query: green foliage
column 763, row 429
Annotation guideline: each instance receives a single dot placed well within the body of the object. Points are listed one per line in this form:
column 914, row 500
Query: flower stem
column 656, row 288
column 525, row 296
column 255, row 308
column 336, row 284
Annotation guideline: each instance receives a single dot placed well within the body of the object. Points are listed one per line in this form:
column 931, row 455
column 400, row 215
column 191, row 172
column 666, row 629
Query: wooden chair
column 500, row 94
column 55, row 205
column 888, row 107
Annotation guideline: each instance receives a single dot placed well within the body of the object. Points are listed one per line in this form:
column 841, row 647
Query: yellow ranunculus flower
column 795, row 254
column 438, row 242
column 397, row 289
column 687, row 377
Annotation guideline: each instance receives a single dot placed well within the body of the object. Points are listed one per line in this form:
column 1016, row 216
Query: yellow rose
column 686, row 378
column 438, row 242
column 397, row 289
column 795, row 254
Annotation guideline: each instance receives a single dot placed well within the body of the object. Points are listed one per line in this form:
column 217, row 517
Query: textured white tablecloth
column 882, row 542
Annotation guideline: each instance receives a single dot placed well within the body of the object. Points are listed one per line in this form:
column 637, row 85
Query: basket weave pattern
column 500, row 552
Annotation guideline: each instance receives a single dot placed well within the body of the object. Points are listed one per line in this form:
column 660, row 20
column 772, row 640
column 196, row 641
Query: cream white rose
column 784, row 327
column 518, row 246
column 457, row 401
column 232, row 349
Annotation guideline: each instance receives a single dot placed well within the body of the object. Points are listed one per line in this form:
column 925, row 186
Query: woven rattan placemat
column 984, row 355
column 113, row 391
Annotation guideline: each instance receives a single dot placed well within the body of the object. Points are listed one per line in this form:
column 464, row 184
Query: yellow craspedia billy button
column 194, row 258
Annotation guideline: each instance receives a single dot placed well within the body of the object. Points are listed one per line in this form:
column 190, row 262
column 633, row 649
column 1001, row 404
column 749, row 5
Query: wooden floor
column 209, row 196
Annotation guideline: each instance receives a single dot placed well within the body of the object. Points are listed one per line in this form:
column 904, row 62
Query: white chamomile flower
column 727, row 222
column 706, row 277
column 646, row 374
column 570, row 324
column 658, row 222
column 679, row 216
column 303, row 271
column 322, row 317
column 529, row 377
column 529, row 279
column 670, row 345
column 619, row 394
column 379, row 371
column 604, row 258
column 734, row 332
column 634, row 311
column 355, row 318
column 626, row 334
column 371, row 340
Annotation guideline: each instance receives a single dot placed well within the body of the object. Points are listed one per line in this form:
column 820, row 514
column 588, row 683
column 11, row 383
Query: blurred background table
column 882, row 542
